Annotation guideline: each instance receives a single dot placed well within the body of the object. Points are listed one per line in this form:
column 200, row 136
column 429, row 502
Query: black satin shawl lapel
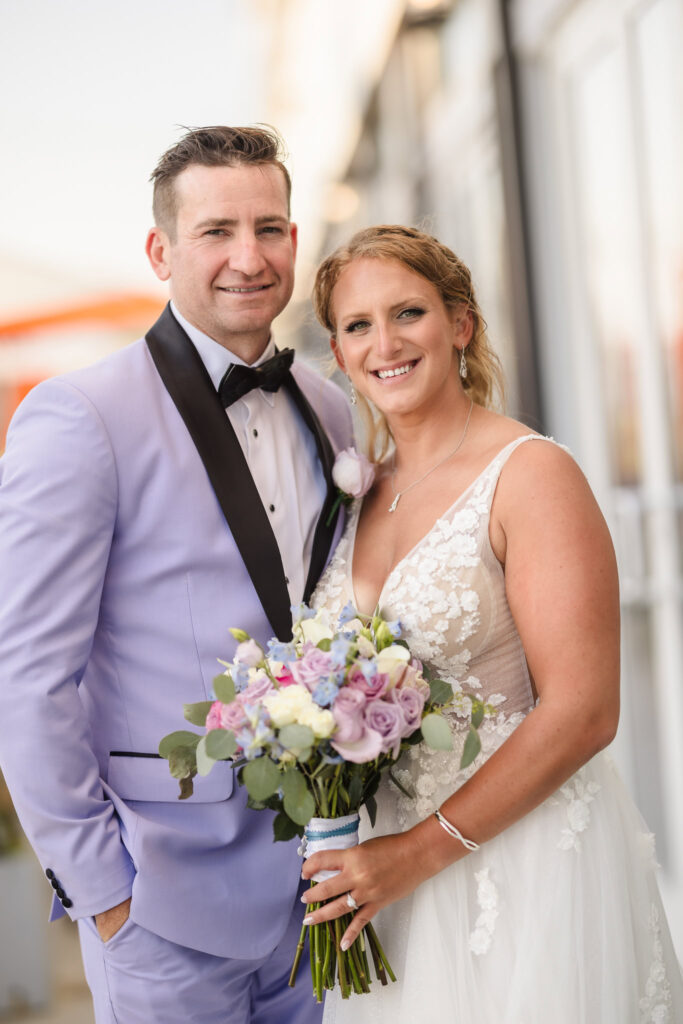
column 189, row 385
column 324, row 533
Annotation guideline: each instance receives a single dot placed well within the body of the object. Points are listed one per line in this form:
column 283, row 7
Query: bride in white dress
column 485, row 541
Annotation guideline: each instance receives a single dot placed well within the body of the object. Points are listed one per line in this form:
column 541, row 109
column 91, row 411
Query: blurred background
column 540, row 139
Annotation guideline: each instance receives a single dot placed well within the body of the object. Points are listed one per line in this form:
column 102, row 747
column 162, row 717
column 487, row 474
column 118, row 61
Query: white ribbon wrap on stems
column 329, row 834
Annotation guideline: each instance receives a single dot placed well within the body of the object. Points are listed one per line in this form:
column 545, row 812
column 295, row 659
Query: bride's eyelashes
column 409, row 313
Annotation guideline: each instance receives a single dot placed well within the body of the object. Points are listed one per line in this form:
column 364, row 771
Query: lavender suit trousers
column 138, row 977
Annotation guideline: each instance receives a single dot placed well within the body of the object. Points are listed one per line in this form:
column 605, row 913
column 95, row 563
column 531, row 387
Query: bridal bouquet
column 311, row 725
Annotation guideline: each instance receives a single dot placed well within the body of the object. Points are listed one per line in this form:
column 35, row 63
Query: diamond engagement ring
column 350, row 902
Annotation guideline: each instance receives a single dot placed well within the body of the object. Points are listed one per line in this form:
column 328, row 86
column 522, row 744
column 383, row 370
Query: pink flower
column 386, row 718
column 348, row 714
column 412, row 679
column 285, row 677
column 310, row 669
column 372, row 688
column 366, row 748
column 225, row 716
column 256, row 691
column 411, row 703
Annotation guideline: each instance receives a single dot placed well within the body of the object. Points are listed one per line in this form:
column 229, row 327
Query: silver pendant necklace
column 399, row 494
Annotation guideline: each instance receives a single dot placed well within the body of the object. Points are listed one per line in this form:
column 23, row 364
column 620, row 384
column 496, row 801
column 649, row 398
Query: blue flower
column 240, row 676
column 286, row 653
column 301, row 611
column 395, row 628
column 339, row 650
column 325, row 693
column 347, row 613
column 368, row 668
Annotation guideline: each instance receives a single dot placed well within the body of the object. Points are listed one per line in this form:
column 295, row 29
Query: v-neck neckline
column 353, row 527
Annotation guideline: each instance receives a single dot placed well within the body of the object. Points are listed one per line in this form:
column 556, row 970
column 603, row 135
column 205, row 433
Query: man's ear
column 294, row 235
column 336, row 351
column 157, row 248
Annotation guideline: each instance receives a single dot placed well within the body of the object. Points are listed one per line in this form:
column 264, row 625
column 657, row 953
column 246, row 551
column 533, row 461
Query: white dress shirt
column 281, row 454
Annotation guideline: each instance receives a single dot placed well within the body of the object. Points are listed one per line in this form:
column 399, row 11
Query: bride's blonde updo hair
column 426, row 256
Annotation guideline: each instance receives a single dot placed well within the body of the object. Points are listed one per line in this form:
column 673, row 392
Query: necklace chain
column 399, row 494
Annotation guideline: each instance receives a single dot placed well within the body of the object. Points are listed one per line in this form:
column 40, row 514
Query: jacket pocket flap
column 133, row 777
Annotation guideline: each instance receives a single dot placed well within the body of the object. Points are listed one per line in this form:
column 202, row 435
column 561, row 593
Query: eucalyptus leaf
column 220, row 744
column 186, row 788
column 296, row 737
column 261, row 778
column 300, row 810
column 371, row 808
column 182, row 762
column 293, row 784
column 324, row 644
column 285, row 829
column 471, row 748
column 436, row 732
column 224, row 688
column 181, row 738
column 440, row 692
column 196, row 713
column 204, row 761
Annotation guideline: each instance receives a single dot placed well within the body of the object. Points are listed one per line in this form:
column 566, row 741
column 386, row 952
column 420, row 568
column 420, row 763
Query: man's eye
column 272, row 229
column 215, row 231
column 355, row 326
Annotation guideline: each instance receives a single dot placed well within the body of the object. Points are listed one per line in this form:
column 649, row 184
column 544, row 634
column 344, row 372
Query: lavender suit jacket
column 131, row 538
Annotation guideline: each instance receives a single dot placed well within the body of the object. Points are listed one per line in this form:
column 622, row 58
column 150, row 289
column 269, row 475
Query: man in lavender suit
column 147, row 503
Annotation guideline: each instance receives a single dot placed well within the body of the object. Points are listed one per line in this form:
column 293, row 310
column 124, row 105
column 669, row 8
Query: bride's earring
column 463, row 363
column 353, row 397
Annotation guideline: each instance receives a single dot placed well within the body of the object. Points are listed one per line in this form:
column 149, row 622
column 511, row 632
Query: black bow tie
column 239, row 380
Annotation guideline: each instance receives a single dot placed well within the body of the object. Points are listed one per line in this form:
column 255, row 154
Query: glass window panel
column 610, row 244
column 658, row 41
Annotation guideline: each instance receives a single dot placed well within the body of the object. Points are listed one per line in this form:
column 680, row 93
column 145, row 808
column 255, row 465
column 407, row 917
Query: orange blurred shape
column 118, row 310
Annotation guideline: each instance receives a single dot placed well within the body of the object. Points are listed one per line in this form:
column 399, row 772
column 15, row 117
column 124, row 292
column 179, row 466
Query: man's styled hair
column 217, row 146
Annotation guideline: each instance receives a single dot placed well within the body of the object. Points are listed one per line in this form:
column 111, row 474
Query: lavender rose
column 312, row 667
column 348, row 714
column 373, row 688
column 258, row 687
column 387, row 718
column 411, row 703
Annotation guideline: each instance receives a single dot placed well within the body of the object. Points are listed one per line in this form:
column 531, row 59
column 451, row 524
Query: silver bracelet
column 456, row 833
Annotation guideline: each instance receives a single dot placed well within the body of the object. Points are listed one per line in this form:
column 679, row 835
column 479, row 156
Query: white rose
column 285, row 706
column 392, row 661
column 320, row 720
column 365, row 647
column 315, row 630
column 353, row 473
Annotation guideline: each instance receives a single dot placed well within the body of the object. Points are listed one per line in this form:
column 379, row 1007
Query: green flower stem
column 341, row 960
column 372, row 935
column 318, row 937
column 299, row 953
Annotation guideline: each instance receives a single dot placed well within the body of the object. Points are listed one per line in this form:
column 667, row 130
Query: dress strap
column 496, row 466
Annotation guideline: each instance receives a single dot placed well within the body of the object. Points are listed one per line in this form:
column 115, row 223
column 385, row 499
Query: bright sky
column 92, row 94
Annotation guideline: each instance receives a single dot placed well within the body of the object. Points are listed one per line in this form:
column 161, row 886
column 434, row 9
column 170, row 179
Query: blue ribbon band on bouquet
column 342, row 830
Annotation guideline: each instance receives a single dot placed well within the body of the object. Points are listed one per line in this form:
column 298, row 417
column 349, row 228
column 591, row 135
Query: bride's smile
column 396, row 339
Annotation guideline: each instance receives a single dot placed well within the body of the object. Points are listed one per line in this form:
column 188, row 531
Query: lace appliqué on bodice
column 449, row 594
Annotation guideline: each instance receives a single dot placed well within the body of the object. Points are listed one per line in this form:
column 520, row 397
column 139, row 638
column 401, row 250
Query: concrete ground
column 70, row 1002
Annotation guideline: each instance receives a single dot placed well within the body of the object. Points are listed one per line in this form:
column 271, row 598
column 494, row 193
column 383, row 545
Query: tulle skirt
column 558, row 920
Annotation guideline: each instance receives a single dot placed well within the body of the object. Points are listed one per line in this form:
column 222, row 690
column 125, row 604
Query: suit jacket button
column 54, row 883
column 50, row 873
column 66, row 903
column 60, row 892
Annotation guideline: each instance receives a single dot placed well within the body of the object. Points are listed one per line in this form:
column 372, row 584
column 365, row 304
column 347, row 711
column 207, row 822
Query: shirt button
column 287, row 580
column 272, row 508
column 255, row 432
